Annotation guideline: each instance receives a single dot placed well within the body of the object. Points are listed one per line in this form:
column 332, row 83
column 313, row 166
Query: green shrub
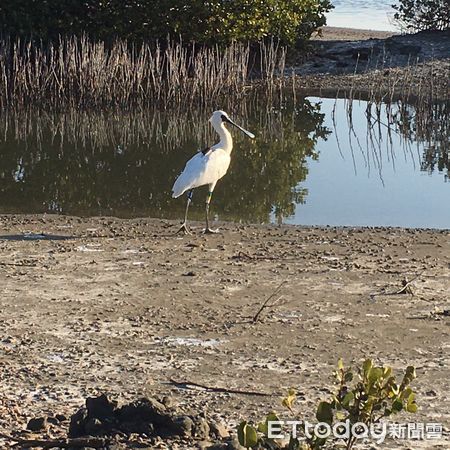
column 366, row 396
column 419, row 15
column 214, row 21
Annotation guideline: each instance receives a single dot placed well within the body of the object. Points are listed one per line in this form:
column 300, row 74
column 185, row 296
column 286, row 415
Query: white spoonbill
column 207, row 166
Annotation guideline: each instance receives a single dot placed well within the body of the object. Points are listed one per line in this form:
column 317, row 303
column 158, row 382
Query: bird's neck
column 226, row 141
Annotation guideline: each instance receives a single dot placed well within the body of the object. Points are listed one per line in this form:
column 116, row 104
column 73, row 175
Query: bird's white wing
column 202, row 169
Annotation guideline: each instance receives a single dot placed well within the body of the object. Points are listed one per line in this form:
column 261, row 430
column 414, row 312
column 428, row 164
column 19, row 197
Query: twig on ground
column 192, row 385
column 405, row 289
column 60, row 443
column 266, row 304
column 243, row 255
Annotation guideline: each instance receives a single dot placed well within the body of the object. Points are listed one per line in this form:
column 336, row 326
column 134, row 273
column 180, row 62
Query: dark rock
column 183, row 426
column 37, row 424
column 93, row 427
column 102, row 417
column 142, row 412
column 53, row 420
column 100, row 407
column 61, row 417
column 77, row 422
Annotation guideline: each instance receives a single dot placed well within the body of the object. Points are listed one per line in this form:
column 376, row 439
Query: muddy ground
column 374, row 64
column 124, row 306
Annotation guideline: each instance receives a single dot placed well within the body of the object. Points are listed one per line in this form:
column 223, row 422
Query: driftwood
column 192, row 385
column 243, row 255
column 61, row 443
column 405, row 289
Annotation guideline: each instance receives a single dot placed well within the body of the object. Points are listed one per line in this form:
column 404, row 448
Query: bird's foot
column 210, row 231
column 184, row 229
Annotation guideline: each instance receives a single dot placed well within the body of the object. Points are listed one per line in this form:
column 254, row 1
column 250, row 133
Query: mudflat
column 349, row 34
column 91, row 305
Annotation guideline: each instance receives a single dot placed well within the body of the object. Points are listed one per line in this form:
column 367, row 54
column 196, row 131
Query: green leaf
column 406, row 393
column 288, row 401
column 410, row 373
column 367, row 366
column 348, row 377
column 393, row 390
column 375, row 375
column 324, row 413
column 247, row 435
column 397, row 406
column 348, row 398
column 263, row 427
column 412, row 407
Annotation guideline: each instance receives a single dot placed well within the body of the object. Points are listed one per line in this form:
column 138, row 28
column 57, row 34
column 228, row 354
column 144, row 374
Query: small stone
column 201, row 428
column 234, row 445
column 37, row 424
column 219, row 430
column 168, row 401
column 184, row 425
column 218, row 447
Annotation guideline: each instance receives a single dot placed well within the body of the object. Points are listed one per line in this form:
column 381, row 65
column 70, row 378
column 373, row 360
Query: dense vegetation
column 419, row 15
column 214, row 21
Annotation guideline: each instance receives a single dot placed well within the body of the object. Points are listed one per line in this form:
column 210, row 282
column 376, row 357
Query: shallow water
column 363, row 14
column 321, row 162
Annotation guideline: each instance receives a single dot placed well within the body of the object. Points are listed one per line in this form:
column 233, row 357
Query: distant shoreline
column 375, row 64
column 329, row 33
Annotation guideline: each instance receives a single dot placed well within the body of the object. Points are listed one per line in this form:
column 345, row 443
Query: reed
column 84, row 73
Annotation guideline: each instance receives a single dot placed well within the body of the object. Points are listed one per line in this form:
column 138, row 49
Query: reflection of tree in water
column 434, row 131
column 125, row 163
column 425, row 123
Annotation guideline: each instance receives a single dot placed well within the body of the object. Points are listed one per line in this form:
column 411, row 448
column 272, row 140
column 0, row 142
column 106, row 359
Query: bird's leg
column 208, row 230
column 184, row 228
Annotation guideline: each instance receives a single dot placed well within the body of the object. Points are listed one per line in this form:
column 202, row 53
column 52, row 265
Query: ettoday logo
column 377, row 432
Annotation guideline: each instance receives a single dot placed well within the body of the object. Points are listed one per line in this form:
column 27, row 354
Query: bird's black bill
column 227, row 119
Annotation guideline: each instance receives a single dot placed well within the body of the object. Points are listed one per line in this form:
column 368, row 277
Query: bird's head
column 219, row 117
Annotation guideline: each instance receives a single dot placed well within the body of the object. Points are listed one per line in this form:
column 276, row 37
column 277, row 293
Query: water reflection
column 124, row 163
column 320, row 161
column 385, row 165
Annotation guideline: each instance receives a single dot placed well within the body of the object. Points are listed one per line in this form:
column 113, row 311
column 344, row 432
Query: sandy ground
column 122, row 306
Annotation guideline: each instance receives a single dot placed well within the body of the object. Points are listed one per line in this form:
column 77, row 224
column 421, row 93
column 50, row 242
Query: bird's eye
column 224, row 118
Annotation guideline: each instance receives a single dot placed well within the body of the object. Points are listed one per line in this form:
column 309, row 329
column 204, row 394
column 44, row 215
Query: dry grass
column 83, row 73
